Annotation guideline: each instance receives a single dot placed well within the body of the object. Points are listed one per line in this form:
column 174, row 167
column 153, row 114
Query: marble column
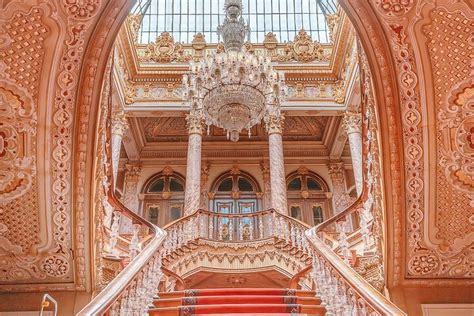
column 192, row 192
column 352, row 123
column 119, row 126
column 130, row 194
column 274, row 127
column 340, row 197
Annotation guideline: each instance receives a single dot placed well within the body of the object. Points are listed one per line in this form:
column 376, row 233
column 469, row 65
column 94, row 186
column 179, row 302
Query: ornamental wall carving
column 434, row 51
column 302, row 49
column 165, row 50
column 228, row 257
column 42, row 45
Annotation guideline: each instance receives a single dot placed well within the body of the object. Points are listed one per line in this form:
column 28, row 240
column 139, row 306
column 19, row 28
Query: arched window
column 235, row 192
column 163, row 197
column 308, row 199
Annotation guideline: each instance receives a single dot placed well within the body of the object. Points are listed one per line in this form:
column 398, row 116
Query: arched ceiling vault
column 424, row 99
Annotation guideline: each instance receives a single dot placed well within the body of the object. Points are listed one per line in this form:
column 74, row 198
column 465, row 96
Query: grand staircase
column 237, row 301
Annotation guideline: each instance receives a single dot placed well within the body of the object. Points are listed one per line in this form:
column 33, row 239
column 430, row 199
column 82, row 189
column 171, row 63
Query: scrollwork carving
column 302, row 49
column 165, row 50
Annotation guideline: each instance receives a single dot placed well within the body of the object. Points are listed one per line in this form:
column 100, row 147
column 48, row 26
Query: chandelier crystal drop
column 234, row 89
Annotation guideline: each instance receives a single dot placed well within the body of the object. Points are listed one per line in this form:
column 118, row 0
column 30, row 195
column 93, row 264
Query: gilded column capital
column 336, row 170
column 132, row 172
column 274, row 123
column 119, row 123
column 352, row 122
column 194, row 123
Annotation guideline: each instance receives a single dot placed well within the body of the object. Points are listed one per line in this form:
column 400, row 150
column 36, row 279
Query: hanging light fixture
column 234, row 89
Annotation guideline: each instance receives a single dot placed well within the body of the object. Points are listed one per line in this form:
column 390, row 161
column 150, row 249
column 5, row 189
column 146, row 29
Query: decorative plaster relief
column 450, row 45
column 22, row 35
column 426, row 259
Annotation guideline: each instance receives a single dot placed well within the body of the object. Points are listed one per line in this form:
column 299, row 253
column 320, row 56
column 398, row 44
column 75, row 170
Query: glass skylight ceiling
column 184, row 18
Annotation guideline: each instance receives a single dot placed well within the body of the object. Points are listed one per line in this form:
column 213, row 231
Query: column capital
column 119, row 123
column 194, row 123
column 132, row 171
column 352, row 122
column 336, row 169
column 274, row 123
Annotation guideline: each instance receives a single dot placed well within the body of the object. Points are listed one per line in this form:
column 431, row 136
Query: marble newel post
column 131, row 190
column 192, row 192
column 352, row 122
column 277, row 165
column 119, row 126
column 341, row 200
column 130, row 194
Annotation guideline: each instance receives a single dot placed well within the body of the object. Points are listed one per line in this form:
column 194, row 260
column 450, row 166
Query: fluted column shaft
column 277, row 164
column 352, row 123
column 192, row 192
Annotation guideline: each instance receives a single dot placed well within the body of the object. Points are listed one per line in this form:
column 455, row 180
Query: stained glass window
column 184, row 18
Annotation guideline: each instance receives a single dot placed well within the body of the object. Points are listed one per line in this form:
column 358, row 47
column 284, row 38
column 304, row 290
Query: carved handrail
column 295, row 280
column 122, row 294
column 131, row 291
column 341, row 287
column 353, row 208
column 342, row 290
column 180, row 285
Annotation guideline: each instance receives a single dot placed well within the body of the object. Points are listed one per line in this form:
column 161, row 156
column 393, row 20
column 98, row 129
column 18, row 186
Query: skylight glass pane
column 184, row 18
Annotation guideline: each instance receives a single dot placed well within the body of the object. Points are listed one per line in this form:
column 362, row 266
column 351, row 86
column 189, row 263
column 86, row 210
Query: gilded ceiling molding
column 133, row 23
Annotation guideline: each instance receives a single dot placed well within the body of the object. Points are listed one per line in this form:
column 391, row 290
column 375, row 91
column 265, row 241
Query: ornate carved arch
column 379, row 28
column 381, row 64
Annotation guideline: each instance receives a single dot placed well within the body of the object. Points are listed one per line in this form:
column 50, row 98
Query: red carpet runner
column 237, row 301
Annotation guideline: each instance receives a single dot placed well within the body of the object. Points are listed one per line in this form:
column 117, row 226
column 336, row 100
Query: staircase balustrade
column 235, row 228
column 342, row 290
column 358, row 229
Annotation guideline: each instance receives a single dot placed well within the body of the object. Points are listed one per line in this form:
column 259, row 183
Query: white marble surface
column 193, row 174
column 116, row 145
column 355, row 144
column 277, row 173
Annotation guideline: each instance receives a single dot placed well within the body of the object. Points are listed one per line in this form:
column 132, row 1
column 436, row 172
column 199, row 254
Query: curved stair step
column 237, row 299
column 227, row 308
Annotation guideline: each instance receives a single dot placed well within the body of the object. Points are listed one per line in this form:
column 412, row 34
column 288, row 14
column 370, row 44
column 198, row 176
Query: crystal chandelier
column 235, row 89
